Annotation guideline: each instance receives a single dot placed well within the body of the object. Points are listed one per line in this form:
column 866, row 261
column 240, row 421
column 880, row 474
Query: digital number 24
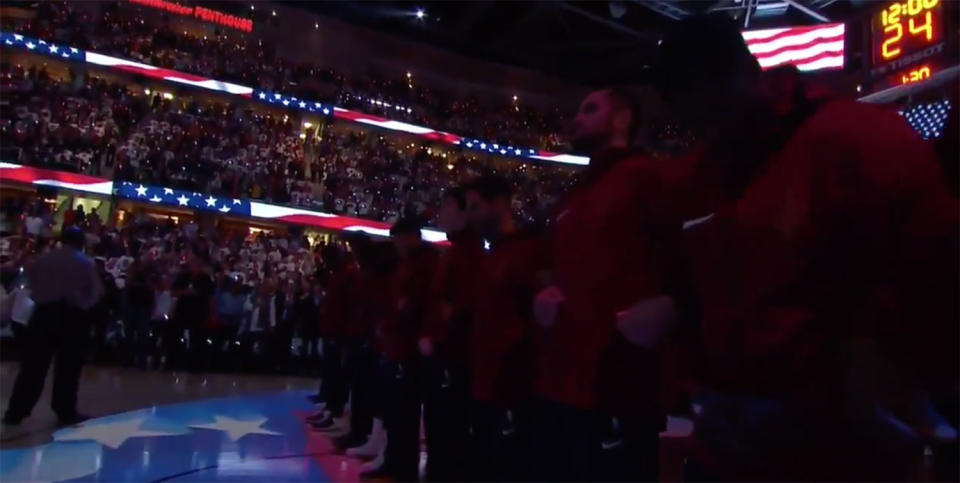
column 926, row 27
column 886, row 48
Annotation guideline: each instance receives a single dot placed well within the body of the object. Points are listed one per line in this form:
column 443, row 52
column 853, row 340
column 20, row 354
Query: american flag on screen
column 809, row 48
column 57, row 179
column 182, row 198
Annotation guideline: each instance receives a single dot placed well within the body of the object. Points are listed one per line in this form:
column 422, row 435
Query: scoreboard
column 910, row 40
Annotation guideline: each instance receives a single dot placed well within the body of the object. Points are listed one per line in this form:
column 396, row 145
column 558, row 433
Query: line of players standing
column 751, row 279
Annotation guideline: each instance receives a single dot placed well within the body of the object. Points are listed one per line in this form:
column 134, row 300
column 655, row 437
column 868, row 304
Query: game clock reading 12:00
column 905, row 27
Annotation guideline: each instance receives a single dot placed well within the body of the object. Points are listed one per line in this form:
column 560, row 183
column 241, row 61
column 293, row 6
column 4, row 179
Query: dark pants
column 173, row 344
column 141, row 337
column 280, row 348
column 334, row 385
column 499, row 442
column 571, row 444
column 401, row 413
column 209, row 347
column 254, row 348
column 360, row 373
column 55, row 331
column 446, row 419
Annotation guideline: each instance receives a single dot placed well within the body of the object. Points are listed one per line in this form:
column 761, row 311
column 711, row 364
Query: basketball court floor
column 178, row 426
column 172, row 426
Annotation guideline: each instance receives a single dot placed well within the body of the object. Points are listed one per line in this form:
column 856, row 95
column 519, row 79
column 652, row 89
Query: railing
column 194, row 200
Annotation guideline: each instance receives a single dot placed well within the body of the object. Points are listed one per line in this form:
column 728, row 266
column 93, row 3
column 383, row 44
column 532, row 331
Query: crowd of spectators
column 180, row 296
column 396, row 95
column 91, row 126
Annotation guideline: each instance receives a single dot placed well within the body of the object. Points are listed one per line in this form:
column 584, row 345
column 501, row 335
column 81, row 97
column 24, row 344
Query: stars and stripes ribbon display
column 809, row 48
column 41, row 46
column 193, row 200
column 391, row 125
column 167, row 74
column 329, row 221
column 182, row 198
column 246, row 208
column 57, row 179
column 292, row 102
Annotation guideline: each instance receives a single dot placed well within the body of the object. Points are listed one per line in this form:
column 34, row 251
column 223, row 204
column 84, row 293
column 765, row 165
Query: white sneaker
column 376, row 463
column 375, row 443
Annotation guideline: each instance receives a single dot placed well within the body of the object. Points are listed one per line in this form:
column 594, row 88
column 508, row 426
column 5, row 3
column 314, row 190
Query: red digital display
column 205, row 14
column 902, row 29
column 915, row 75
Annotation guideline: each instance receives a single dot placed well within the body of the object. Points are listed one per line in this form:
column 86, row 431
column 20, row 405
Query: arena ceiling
column 587, row 42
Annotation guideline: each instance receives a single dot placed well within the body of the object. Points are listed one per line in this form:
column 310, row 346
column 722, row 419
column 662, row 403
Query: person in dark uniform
column 64, row 285
column 194, row 289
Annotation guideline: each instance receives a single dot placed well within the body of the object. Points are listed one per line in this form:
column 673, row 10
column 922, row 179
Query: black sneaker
column 325, row 423
column 72, row 419
column 316, row 417
column 380, row 473
column 11, row 430
column 351, row 440
column 7, row 420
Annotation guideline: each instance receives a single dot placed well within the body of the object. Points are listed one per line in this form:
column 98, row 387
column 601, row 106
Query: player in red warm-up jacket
column 445, row 343
column 397, row 337
column 598, row 414
column 832, row 237
column 339, row 311
column 503, row 335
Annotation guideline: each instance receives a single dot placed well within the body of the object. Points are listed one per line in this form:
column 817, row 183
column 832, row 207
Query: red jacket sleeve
column 889, row 191
column 436, row 325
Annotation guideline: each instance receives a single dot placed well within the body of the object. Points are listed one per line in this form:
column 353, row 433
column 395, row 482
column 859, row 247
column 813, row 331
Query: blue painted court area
column 247, row 438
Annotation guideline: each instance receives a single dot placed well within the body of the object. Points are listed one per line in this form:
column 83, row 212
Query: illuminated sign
column 808, row 48
column 905, row 28
column 205, row 14
column 915, row 75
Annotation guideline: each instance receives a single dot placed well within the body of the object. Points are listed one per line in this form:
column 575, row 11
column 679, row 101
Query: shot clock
column 909, row 40
column 903, row 28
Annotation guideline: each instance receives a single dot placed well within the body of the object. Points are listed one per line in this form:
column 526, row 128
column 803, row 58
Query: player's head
column 452, row 215
column 72, row 237
column 488, row 204
column 406, row 236
column 605, row 119
column 704, row 66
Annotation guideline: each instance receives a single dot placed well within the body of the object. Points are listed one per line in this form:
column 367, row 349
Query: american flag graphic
column 41, row 46
column 167, row 74
column 244, row 207
column 182, row 198
column 389, row 124
column 329, row 221
column 287, row 101
column 292, row 102
column 809, row 48
column 57, row 179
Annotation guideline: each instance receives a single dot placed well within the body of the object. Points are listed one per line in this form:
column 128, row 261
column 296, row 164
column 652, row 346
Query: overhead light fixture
column 421, row 13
